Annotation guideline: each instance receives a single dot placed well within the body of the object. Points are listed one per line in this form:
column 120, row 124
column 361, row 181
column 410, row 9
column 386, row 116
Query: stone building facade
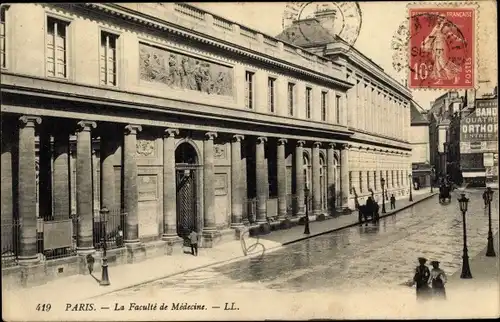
column 175, row 120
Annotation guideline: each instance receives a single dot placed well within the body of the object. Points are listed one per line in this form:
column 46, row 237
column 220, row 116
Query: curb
column 238, row 258
column 358, row 223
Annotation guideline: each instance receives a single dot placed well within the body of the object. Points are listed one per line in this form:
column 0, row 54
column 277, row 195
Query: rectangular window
column 397, row 178
column 368, row 179
column 249, row 90
column 323, row 106
column 291, row 100
column 350, row 181
column 271, row 95
column 381, row 176
column 360, row 181
column 392, row 178
column 308, row 102
column 108, row 58
column 57, row 47
column 337, row 106
column 3, row 35
column 375, row 180
column 387, row 178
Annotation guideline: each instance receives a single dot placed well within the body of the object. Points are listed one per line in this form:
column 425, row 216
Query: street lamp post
column 382, row 182
column 490, row 251
column 411, row 184
column 433, row 176
column 463, row 201
column 306, row 219
column 105, row 278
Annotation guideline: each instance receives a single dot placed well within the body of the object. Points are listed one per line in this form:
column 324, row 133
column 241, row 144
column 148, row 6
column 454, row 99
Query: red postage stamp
column 442, row 48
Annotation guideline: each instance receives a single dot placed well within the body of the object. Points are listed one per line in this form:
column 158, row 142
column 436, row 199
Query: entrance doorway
column 186, row 170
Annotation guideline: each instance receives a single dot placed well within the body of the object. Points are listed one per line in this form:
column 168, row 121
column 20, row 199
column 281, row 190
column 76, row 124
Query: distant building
column 479, row 142
column 419, row 140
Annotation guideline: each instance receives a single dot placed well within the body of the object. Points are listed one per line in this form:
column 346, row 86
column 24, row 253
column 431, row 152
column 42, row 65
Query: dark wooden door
column 186, row 202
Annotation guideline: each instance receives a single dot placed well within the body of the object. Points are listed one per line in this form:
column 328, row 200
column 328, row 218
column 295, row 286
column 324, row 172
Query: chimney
column 326, row 17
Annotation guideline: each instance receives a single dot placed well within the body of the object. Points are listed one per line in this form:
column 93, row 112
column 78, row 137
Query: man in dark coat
column 421, row 279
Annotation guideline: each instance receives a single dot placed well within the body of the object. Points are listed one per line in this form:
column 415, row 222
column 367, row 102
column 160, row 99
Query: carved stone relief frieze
column 181, row 71
column 145, row 148
column 219, row 152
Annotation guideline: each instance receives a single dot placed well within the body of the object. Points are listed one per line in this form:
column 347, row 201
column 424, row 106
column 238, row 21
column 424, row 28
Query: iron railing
column 10, row 242
column 113, row 223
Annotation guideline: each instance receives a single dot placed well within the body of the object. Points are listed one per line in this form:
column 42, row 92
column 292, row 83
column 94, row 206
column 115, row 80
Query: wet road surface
column 358, row 259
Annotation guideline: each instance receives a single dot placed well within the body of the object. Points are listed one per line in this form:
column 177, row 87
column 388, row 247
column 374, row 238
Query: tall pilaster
column 281, row 178
column 237, row 197
column 107, row 153
column 27, row 189
column 330, row 178
column 62, row 191
column 316, row 184
column 208, row 183
column 169, row 185
column 299, row 178
column 344, row 174
column 84, row 197
column 261, row 182
column 131, row 194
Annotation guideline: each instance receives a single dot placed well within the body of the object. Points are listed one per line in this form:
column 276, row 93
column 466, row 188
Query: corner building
column 175, row 120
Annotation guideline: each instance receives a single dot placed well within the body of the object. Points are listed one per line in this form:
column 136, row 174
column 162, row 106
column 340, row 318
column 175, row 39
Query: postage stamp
column 441, row 44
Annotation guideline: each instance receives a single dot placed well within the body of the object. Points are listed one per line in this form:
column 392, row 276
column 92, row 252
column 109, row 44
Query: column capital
column 85, row 126
column 29, row 120
column 332, row 145
column 170, row 133
column 301, row 143
column 343, row 146
column 238, row 137
column 282, row 141
column 317, row 144
column 261, row 140
column 132, row 129
column 210, row 135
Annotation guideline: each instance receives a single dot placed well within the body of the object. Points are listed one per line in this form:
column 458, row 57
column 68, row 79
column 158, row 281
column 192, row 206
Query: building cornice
column 159, row 24
column 358, row 59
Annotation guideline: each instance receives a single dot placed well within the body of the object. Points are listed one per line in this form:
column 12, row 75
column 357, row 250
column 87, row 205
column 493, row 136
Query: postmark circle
column 342, row 19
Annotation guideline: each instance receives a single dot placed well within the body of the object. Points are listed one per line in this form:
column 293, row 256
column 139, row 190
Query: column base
column 172, row 242
column 207, row 238
column 286, row 223
column 237, row 225
column 264, row 228
column 136, row 251
column 28, row 260
column 84, row 251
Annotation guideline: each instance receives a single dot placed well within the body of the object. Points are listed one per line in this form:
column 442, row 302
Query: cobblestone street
column 356, row 260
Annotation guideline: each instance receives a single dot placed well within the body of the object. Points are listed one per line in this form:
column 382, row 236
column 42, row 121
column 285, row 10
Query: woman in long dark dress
column 437, row 281
column 421, row 279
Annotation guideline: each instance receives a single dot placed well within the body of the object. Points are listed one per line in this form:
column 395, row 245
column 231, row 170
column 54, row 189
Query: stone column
column 61, row 176
column 237, row 198
column 84, row 189
column 131, row 194
column 8, row 137
column 45, row 174
column 27, row 189
column 261, row 182
column 107, row 153
column 169, row 186
column 281, row 161
column 299, row 178
column 330, row 178
column 316, row 189
column 209, row 227
column 344, row 174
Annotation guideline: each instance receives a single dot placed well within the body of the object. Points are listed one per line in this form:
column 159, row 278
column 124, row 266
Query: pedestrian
column 193, row 238
column 437, row 281
column 393, row 202
column 421, row 279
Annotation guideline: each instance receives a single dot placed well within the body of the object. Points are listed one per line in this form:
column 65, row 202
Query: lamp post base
column 466, row 274
column 105, row 277
column 490, row 251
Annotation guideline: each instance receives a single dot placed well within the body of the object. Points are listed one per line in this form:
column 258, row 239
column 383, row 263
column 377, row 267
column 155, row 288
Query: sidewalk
column 485, row 270
column 79, row 287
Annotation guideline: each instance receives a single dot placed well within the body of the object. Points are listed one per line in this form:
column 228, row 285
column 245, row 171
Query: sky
column 380, row 21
